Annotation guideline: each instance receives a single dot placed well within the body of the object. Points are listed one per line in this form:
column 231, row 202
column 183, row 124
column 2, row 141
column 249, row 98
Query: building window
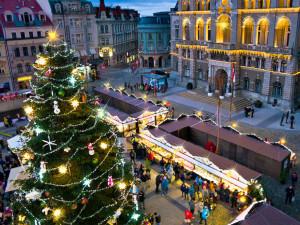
column 30, row 34
column 187, row 71
column 102, row 29
column 71, row 23
column 20, row 68
column 258, row 86
column 107, row 41
column 208, row 28
column 25, row 51
column 263, row 62
column 39, row 34
column 249, row 61
column 282, row 35
column 57, row 8
column 23, row 35
column 150, row 46
column 150, row 36
column 186, row 31
column 41, row 48
column 283, row 67
column 2, row 71
column 14, row 35
column 28, row 67
column 275, row 65
column 176, row 31
column 262, row 32
column 90, row 36
column 208, row 5
column 78, row 23
column 33, row 50
column 277, row 89
column 8, row 18
column 200, row 74
column 257, row 62
column 159, row 36
column 106, row 28
column 60, row 23
column 200, row 30
column 89, row 23
column 248, row 29
column 46, row 33
column 102, row 41
column 246, row 83
column 244, row 61
column 160, row 46
column 87, row 8
column 17, row 52
column 42, row 18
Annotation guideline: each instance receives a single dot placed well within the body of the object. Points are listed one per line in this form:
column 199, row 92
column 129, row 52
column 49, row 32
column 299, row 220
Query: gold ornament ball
column 31, row 133
column 74, row 206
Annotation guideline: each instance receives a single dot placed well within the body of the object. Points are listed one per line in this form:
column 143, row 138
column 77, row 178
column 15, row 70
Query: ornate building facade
column 261, row 38
column 117, row 34
column 154, row 35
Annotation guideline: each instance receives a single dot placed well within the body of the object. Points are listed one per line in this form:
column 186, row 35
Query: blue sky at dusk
column 144, row 7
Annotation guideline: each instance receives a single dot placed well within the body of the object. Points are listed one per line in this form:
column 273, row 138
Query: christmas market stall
column 245, row 149
column 159, row 80
column 194, row 158
column 16, row 173
column 145, row 112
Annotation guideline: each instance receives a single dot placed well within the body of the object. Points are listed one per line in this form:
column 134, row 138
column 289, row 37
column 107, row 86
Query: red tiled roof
column 11, row 6
column 117, row 12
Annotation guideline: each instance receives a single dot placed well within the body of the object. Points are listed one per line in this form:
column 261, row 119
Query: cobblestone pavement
column 264, row 124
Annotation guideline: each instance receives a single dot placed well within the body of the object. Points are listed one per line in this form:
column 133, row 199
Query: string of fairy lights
column 75, row 81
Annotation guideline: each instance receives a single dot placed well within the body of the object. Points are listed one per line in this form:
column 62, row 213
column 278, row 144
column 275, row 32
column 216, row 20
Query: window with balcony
column 223, row 29
column 283, row 66
column 277, row 89
column 246, row 83
column 23, row 35
column 30, row 34
column 248, row 29
column 33, row 50
column 282, row 34
column 14, row 35
column 28, row 67
column 258, row 85
column 17, row 52
column 25, row 51
column 20, row 68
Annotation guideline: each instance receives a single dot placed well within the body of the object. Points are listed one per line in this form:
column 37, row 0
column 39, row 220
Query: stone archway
column 224, row 79
column 150, row 62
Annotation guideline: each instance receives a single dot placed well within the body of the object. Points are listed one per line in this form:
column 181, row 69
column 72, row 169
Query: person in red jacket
column 150, row 156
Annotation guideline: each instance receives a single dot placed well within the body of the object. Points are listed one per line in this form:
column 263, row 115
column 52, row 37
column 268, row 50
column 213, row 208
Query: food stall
column 196, row 159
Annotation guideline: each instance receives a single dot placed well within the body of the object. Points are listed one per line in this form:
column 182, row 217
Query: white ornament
column 55, row 106
column 46, row 210
column 49, row 142
column 43, row 168
column 34, row 195
column 67, row 149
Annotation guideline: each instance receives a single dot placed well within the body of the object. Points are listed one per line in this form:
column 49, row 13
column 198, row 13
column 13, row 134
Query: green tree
column 72, row 154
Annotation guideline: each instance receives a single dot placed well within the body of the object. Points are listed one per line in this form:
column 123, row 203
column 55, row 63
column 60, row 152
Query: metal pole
column 218, row 120
column 231, row 100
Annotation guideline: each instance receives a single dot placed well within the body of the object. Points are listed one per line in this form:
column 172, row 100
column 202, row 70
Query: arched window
column 28, row 67
column 188, row 6
column 20, row 68
column 208, row 5
column 268, row 4
column 176, row 27
column 183, row 6
column 289, row 3
column 223, row 29
column 282, row 35
column 277, row 89
column 200, row 30
column 260, row 4
column 198, row 7
column 246, row 4
column 220, row 10
column 257, row 62
column 106, row 28
column 275, row 65
column 208, row 30
column 246, row 83
column 281, row 4
column 283, row 66
column 57, row 8
column 201, row 74
column 252, row 4
column 202, row 6
column 263, row 63
column 87, row 8
column 187, row 71
column 248, row 29
column 102, row 29
column 258, row 85
column 262, row 32
column 186, row 30
column 228, row 10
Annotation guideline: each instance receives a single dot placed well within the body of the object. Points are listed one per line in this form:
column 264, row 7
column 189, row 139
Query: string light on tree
column 41, row 61
column 28, row 110
column 103, row 145
column 52, row 35
column 38, row 130
column 57, row 213
column 122, row 186
column 72, row 80
column 63, row 169
column 87, row 183
column 75, row 104
column 135, row 216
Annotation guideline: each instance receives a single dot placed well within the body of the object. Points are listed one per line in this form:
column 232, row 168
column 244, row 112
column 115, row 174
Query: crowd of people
column 249, row 111
column 147, row 88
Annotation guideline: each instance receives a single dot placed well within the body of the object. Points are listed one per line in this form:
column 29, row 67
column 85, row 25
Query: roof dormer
column 8, row 16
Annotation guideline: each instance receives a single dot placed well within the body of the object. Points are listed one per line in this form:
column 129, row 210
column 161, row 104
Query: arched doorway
column 160, row 61
column 151, row 62
column 223, row 79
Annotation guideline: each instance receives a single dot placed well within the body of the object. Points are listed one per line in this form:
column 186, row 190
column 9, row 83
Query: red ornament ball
column 84, row 201
column 47, row 193
column 49, row 73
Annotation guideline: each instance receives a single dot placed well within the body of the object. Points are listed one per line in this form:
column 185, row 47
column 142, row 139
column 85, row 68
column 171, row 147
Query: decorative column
column 180, row 68
column 271, row 38
column 254, row 34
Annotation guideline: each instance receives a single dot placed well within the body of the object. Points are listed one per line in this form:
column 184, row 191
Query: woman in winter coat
column 182, row 188
column 192, row 192
column 170, row 173
column 200, row 206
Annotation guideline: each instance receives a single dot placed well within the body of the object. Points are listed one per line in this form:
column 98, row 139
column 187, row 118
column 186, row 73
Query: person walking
column 282, row 118
column 204, row 193
column 290, row 193
column 173, row 112
column 165, row 186
column 200, row 207
column 132, row 156
column 204, row 215
column 294, row 179
column 148, row 175
column 170, row 173
column 192, row 192
column 157, row 183
column 196, row 188
column 157, row 218
column 144, row 180
column 292, row 122
column 5, row 121
column 141, row 198
column 192, row 205
column 182, row 188
column 187, row 191
column 234, row 198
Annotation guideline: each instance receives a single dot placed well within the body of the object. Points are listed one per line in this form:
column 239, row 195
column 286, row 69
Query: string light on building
column 282, row 141
column 234, row 125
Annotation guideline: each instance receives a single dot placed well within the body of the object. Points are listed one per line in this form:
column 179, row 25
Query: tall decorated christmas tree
column 75, row 170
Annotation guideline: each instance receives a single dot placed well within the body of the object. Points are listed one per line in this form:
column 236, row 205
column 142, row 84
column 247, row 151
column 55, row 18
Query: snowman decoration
column 43, row 168
column 55, row 106
column 91, row 149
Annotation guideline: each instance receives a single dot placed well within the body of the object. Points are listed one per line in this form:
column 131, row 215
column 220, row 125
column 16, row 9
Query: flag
column 233, row 73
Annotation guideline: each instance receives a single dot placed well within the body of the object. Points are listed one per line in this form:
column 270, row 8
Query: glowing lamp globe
column 103, row 145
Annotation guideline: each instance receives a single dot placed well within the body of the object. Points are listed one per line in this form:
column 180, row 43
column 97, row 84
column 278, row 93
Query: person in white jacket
column 200, row 206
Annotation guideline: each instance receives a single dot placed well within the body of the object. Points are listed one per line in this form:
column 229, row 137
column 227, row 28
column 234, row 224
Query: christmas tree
column 71, row 155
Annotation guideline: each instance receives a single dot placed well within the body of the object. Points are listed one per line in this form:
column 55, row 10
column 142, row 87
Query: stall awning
column 15, row 174
column 24, row 78
column 15, row 142
column 93, row 51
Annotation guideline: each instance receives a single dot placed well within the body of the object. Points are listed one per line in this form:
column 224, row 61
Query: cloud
column 145, row 8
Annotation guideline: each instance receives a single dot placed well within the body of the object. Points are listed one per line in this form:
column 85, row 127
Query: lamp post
column 220, row 84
